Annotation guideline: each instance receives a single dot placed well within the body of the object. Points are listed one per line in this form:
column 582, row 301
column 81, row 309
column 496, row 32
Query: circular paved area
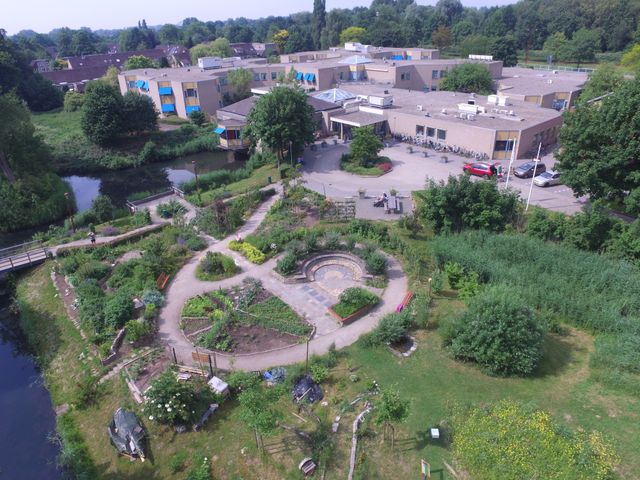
column 308, row 301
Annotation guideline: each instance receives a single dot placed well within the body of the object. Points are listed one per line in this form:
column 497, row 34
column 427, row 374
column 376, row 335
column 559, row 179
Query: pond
column 27, row 418
column 121, row 184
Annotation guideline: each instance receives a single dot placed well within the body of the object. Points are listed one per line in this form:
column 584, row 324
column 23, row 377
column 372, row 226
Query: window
column 274, row 75
column 434, row 74
column 341, row 75
column 256, row 77
column 191, row 92
column 131, row 84
column 220, row 103
column 419, row 130
column 222, row 81
column 263, row 76
column 431, row 132
column 405, row 76
column 434, row 88
column 442, row 134
column 503, row 146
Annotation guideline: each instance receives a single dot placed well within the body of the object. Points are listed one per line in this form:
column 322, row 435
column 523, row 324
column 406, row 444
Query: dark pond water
column 27, row 420
column 121, row 184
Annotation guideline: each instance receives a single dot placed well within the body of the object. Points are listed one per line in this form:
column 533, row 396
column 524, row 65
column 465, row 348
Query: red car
column 480, row 169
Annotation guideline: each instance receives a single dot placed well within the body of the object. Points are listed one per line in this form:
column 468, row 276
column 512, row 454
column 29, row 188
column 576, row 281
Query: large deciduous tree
column 365, row 146
column 353, row 34
column 603, row 80
column 600, row 153
column 280, row 118
column 138, row 113
column 102, row 113
column 504, row 48
column 469, row 78
column 240, row 79
column 139, row 61
column 441, row 37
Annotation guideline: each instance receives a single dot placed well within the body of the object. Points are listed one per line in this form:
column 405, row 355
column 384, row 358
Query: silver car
column 548, row 178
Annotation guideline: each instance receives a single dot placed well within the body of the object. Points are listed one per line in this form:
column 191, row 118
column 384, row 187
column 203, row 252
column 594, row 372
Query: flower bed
column 378, row 167
column 248, row 251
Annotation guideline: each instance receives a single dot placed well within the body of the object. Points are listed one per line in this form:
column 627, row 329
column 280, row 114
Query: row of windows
column 435, row 74
column 431, row 132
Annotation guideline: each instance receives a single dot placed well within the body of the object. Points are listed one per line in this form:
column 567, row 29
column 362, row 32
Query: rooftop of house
column 514, row 115
column 118, row 59
column 525, row 81
column 61, row 77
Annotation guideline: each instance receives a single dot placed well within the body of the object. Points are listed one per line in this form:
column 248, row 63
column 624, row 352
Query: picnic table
column 392, row 204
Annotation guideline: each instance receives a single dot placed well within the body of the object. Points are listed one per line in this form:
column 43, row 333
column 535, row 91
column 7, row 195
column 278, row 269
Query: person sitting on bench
column 381, row 200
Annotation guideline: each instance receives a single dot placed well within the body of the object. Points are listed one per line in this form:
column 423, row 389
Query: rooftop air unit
column 419, row 108
column 471, row 117
column 444, row 111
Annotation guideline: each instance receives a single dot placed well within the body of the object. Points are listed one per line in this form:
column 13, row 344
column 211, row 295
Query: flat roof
column 496, row 117
column 191, row 74
column 359, row 119
column 526, row 81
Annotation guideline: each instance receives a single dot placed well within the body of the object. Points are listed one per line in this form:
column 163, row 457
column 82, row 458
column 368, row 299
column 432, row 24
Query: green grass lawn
column 58, row 126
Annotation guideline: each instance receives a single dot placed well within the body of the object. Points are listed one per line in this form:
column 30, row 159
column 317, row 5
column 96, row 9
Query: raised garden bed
column 354, row 302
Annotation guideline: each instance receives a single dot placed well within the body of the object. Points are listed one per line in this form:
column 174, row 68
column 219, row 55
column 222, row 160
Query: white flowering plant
column 170, row 402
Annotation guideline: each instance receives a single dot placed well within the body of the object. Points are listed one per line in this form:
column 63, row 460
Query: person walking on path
column 92, row 237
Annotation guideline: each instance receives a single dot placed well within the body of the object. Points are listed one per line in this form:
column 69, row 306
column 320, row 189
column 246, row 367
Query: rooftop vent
column 419, row 108
column 444, row 111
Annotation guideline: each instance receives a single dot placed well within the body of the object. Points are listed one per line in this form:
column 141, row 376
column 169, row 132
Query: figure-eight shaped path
column 185, row 285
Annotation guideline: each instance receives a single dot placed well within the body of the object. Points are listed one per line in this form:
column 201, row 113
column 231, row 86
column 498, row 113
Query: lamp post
column 70, row 211
column 513, row 155
column 535, row 168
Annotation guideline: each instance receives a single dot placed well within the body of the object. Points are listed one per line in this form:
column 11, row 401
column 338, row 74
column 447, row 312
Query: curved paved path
column 185, row 285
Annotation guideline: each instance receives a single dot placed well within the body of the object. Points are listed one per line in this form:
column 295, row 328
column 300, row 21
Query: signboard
column 425, row 469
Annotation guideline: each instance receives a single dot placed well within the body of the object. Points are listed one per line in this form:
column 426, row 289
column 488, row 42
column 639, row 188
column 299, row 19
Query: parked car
column 548, row 178
column 480, row 169
column 526, row 169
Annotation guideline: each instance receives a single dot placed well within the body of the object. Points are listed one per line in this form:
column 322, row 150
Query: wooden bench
column 405, row 301
column 162, row 280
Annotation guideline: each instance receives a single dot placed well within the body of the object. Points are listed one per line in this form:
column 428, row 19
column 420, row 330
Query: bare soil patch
column 253, row 339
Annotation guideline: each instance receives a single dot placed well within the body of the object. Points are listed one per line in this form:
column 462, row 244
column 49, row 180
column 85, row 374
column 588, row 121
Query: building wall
column 545, row 132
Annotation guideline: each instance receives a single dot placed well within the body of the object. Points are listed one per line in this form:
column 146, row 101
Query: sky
column 45, row 15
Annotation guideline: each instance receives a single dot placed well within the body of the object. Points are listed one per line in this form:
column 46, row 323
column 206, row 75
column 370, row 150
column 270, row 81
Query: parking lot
column 411, row 170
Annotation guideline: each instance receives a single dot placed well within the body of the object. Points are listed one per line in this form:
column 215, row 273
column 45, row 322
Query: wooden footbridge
column 21, row 256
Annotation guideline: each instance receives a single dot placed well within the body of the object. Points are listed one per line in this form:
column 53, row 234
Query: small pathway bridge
column 21, row 256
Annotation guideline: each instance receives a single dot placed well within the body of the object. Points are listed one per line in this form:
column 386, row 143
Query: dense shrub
column 287, row 264
column 510, row 441
column 462, row 203
column 455, row 273
column 250, row 252
column 376, row 263
column 498, row 332
column 215, row 266
column 91, row 304
column 353, row 299
column 392, row 328
column 118, row 309
column 102, row 208
column 91, row 269
column 137, row 330
column 170, row 402
column 153, row 297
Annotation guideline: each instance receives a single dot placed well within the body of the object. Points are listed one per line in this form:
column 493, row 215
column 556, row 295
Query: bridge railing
column 17, row 249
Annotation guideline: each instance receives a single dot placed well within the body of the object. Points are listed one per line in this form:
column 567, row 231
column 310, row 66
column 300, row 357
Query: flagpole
column 513, row 154
column 535, row 166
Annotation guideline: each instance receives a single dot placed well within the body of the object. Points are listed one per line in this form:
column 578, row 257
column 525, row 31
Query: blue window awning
column 312, row 77
column 139, row 83
column 219, row 130
column 192, row 108
column 165, row 91
column 168, row 107
column 306, row 77
column 299, row 76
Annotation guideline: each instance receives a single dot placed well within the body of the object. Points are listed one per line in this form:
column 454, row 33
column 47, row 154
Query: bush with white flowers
column 169, row 401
